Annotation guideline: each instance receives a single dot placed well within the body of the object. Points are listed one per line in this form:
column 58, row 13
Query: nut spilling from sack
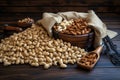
column 73, row 27
column 35, row 47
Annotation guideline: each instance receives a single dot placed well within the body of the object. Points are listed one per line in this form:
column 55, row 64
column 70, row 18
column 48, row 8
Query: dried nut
column 22, row 61
column 35, row 47
column 60, row 61
column 48, row 59
column 35, row 64
column 26, row 20
column 7, row 63
column 46, row 66
column 83, row 31
column 89, row 59
column 18, row 61
column 87, row 63
column 51, row 50
column 73, row 27
column 59, row 50
column 63, row 65
column 35, row 59
column 0, row 60
column 42, row 63
column 55, row 63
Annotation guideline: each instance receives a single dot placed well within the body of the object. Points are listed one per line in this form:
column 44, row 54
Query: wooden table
column 107, row 10
column 104, row 69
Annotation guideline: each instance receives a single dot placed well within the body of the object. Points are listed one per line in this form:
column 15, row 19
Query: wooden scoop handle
column 13, row 28
column 98, row 50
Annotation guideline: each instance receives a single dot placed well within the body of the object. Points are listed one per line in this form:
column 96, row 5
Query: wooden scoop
column 12, row 28
column 88, row 61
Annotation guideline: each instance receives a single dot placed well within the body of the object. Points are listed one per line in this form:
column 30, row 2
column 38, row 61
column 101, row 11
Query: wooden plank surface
column 59, row 3
column 26, row 72
column 107, row 10
column 9, row 17
column 21, row 8
column 104, row 69
column 58, row 9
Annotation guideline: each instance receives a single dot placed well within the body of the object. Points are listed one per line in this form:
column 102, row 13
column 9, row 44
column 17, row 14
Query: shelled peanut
column 73, row 27
column 89, row 59
column 35, row 47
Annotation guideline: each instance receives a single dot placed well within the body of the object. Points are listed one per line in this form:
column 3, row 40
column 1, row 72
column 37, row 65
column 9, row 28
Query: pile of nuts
column 73, row 27
column 35, row 47
column 88, row 59
column 26, row 20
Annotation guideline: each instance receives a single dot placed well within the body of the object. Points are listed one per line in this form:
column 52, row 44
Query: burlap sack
column 49, row 19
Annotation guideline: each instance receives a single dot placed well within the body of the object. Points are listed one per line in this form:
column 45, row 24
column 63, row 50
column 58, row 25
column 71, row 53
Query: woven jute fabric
column 49, row 19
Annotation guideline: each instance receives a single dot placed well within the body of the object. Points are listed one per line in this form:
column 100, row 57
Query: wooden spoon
column 11, row 28
column 88, row 61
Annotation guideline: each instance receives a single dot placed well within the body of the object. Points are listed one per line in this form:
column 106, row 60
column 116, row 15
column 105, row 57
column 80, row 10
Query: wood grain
column 107, row 10
column 22, row 8
column 59, row 3
column 109, row 18
column 104, row 69
column 65, row 74
column 58, row 9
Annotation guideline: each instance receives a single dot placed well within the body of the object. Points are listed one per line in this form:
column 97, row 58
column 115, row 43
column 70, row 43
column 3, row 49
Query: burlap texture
column 49, row 19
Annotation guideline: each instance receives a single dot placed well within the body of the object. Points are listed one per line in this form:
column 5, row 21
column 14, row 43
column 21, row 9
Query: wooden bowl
column 83, row 41
column 24, row 24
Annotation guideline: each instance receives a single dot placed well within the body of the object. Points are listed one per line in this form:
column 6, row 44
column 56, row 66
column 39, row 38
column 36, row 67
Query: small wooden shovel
column 11, row 28
column 88, row 61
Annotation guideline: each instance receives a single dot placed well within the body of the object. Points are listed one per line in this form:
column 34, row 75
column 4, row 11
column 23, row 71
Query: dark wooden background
column 107, row 10
column 12, row 10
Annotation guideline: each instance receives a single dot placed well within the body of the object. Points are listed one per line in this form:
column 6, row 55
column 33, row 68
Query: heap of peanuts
column 73, row 27
column 35, row 47
column 89, row 59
